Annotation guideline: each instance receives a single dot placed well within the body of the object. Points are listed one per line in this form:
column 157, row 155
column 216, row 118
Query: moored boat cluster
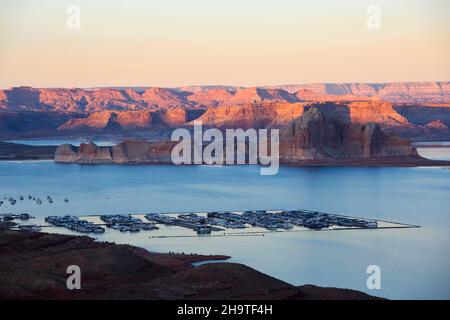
column 205, row 223
column 7, row 222
column 189, row 221
column 283, row 220
column 11, row 216
column 75, row 224
column 126, row 223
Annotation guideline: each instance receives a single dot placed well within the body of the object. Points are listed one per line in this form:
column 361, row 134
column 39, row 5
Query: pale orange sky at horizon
column 244, row 43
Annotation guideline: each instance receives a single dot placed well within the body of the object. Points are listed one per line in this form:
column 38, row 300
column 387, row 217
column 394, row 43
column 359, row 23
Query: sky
column 229, row 42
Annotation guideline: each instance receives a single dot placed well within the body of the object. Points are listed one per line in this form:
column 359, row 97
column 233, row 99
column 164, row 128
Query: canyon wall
column 257, row 115
column 417, row 110
column 102, row 99
column 125, row 152
column 319, row 135
column 314, row 136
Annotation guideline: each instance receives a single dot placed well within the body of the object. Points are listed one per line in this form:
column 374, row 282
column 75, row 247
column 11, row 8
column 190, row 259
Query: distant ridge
column 412, row 109
column 123, row 98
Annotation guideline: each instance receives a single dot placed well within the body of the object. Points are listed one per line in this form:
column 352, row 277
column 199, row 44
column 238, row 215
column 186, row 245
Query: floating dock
column 220, row 223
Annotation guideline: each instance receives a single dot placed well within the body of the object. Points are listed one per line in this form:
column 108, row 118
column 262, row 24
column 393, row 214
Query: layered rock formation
column 102, row 99
column 125, row 152
column 378, row 112
column 270, row 115
column 261, row 115
column 164, row 98
column 318, row 135
column 110, row 120
column 397, row 92
column 211, row 98
column 117, row 120
column 404, row 108
column 258, row 95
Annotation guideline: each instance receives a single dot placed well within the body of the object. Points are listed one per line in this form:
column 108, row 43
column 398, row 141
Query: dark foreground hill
column 33, row 266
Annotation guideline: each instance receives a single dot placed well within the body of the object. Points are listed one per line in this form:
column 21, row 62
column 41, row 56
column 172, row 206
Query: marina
column 216, row 223
column 301, row 253
column 75, row 224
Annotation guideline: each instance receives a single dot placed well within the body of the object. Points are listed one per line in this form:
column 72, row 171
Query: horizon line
column 217, row 85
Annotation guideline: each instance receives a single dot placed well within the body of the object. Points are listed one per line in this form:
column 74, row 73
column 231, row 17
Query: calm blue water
column 414, row 262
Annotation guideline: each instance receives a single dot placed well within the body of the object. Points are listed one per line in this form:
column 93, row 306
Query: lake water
column 415, row 263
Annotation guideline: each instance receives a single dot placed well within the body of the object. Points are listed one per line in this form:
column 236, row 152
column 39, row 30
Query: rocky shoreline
column 33, row 266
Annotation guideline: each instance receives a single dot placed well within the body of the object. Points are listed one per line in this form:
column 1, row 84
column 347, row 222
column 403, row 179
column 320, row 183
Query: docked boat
column 204, row 230
column 32, row 228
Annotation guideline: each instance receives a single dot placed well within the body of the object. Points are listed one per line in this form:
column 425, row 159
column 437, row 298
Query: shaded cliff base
column 18, row 152
column 33, row 266
column 147, row 153
column 15, row 151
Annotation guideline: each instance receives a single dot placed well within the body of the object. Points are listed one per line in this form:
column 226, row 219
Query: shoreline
column 393, row 162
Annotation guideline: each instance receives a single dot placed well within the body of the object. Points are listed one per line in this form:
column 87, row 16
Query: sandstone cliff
column 379, row 112
column 102, row 99
column 405, row 108
column 396, row 92
column 318, row 135
column 270, row 115
column 110, row 120
column 260, row 115
column 125, row 152
column 117, row 120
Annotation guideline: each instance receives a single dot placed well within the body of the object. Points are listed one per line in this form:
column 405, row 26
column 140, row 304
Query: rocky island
column 321, row 137
column 316, row 137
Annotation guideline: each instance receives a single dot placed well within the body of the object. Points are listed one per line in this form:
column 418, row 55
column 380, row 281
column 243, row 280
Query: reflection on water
column 414, row 262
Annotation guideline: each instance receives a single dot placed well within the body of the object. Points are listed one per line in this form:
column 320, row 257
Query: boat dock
column 221, row 223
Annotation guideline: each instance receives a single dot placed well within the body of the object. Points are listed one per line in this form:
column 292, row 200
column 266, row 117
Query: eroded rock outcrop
column 261, row 115
column 377, row 112
column 110, row 120
column 125, row 152
column 318, row 135
column 270, row 115
column 211, row 98
column 120, row 120
column 114, row 99
column 314, row 136
column 164, row 97
column 396, row 92
column 407, row 106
